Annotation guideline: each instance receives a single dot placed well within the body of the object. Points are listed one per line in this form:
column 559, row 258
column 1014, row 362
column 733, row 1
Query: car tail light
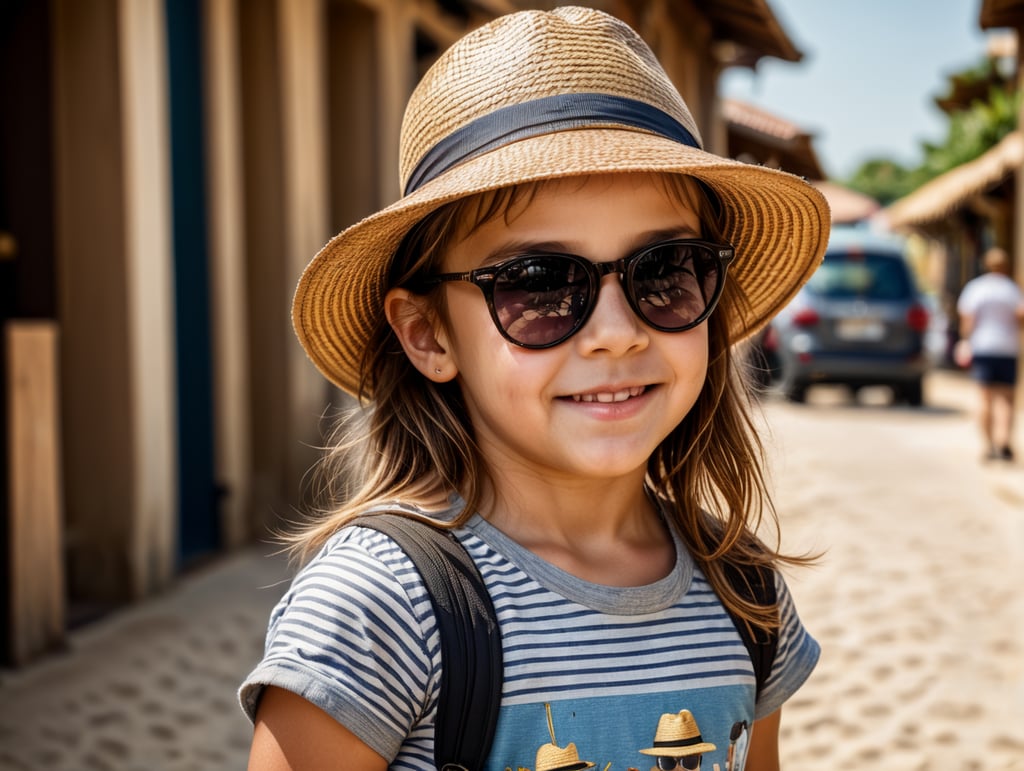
column 807, row 317
column 917, row 318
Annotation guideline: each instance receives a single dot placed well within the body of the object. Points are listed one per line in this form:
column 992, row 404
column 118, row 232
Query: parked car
column 859, row 321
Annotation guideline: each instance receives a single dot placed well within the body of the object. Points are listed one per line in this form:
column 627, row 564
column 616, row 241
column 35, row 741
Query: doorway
column 199, row 531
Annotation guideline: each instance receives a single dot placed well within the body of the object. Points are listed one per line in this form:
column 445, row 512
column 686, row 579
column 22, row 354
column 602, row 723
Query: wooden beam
column 37, row 598
column 231, row 395
column 442, row 28
column 496, row 7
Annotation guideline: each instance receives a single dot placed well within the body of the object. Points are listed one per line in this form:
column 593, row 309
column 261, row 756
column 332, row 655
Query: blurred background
column 168, row 167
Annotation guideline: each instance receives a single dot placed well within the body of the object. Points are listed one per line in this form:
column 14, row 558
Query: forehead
column 506, row 205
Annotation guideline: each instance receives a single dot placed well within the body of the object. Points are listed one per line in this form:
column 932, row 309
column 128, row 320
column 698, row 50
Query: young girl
column 541, row 330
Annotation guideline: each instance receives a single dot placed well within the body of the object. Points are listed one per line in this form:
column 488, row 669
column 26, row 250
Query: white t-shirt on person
column 993, row 301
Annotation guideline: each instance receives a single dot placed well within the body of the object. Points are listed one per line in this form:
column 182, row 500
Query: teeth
column 608, row 397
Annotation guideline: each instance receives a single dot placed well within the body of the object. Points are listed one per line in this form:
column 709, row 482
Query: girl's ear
column 421, row 333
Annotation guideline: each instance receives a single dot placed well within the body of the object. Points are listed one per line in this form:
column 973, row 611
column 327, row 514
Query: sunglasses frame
column 485, row 277
column 677, row 763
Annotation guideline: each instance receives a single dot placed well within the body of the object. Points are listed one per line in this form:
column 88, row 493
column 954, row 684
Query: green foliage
column 973, row 131
column 970, row 133
column 884, row 180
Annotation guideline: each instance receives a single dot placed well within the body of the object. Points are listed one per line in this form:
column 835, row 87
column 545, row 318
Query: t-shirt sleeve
column 795, row 658
column 355, row 636
column 966, row 303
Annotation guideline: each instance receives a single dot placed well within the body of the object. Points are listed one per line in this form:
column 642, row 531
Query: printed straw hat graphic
column 677, row 737
column 539, row 95
column 551, row 757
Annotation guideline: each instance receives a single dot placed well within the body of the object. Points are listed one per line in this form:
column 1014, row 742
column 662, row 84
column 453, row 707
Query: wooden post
column 36, row 503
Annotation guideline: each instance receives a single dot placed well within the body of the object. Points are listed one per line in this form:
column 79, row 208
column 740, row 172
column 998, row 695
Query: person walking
column 991, row 311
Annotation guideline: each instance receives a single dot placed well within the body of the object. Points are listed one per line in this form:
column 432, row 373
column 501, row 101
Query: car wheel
column 912, row 393
column 796, row 392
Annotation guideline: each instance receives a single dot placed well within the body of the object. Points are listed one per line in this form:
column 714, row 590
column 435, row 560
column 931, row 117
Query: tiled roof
column 943, row 195
column 757, row 136
column 847, row 206
column 743, row 114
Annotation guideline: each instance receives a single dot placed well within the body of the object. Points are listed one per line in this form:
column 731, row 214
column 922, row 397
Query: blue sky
column 870, row 72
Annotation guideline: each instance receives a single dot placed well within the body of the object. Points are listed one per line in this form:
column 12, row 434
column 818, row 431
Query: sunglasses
column 689, row 763
column 540, row 300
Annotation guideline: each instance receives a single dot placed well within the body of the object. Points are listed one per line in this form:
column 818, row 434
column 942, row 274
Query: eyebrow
column 520, row 248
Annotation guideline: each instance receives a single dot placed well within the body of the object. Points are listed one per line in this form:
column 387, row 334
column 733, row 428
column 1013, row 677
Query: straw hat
column 551, row 757
column 678, row 737
column 537, row 95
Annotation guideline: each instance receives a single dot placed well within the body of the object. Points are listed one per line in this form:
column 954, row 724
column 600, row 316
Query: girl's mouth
column 610, row 397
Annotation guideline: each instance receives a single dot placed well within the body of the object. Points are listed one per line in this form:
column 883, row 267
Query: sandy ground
column 916, row 602
column 917, row 598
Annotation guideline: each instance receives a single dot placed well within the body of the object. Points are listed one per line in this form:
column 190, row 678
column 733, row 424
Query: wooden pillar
column 302, row 35
column 354, row 89
column 396, row 44
column 116, row 318
column 149, row 298
column 228, row 291
column 36, row 542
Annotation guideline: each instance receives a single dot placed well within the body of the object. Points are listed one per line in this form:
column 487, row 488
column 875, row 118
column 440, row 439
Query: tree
column 884, row 180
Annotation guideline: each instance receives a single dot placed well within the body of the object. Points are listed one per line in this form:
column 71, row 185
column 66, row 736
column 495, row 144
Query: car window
column 866, row 276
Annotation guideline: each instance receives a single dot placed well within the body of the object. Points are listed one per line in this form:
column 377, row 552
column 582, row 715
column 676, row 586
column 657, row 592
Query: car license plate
column 864, row 330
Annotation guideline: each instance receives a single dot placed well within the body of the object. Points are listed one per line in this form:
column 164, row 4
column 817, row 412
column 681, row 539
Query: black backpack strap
column 472, row 669
column 755, row 584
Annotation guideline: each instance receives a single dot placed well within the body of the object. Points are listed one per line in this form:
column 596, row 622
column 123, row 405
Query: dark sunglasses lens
column 666, row 764
column 540, row 300
column 690, row 762
column 674, row 282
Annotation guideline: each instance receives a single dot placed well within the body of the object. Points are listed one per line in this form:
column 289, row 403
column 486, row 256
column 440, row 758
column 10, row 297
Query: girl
column 542, row 328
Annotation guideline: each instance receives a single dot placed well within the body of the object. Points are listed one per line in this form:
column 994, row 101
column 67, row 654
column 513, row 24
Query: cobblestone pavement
column 152, row 687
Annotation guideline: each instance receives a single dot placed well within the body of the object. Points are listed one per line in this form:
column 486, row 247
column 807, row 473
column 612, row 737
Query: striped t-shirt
column 355, row 635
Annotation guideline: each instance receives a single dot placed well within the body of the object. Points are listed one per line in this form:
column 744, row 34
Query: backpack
column 467, row 710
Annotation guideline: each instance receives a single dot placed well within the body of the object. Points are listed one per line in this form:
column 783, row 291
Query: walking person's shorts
column 994, row 370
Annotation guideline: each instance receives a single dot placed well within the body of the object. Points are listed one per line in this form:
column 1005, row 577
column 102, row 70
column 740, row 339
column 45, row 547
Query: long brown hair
column 411, row 440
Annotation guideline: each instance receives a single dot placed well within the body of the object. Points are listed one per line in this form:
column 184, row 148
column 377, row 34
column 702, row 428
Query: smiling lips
column 609, row 397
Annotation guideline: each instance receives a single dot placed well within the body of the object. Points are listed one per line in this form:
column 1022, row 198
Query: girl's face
column 597, row 405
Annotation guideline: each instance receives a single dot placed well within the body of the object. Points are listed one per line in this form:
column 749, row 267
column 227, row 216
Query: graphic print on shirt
column 551, row 757
column 678, row 744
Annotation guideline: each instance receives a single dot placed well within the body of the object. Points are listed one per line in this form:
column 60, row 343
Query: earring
column 437, row 370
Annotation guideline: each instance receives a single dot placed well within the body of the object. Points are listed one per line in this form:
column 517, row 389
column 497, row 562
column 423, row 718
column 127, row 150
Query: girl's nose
column 613, row 327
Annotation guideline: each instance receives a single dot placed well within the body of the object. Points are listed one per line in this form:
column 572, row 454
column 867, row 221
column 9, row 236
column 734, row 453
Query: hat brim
column 680, row 752
column 778, row 224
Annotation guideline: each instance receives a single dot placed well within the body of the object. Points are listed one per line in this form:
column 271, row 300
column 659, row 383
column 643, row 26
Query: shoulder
column 359, row 560
column 362, row 568
column 360, row 585
column 355, row 635
column 971, row 288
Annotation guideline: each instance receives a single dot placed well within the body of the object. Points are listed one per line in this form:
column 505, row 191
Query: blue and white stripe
column 355, row 636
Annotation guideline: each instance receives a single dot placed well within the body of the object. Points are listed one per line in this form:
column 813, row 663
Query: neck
column 605, row 531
